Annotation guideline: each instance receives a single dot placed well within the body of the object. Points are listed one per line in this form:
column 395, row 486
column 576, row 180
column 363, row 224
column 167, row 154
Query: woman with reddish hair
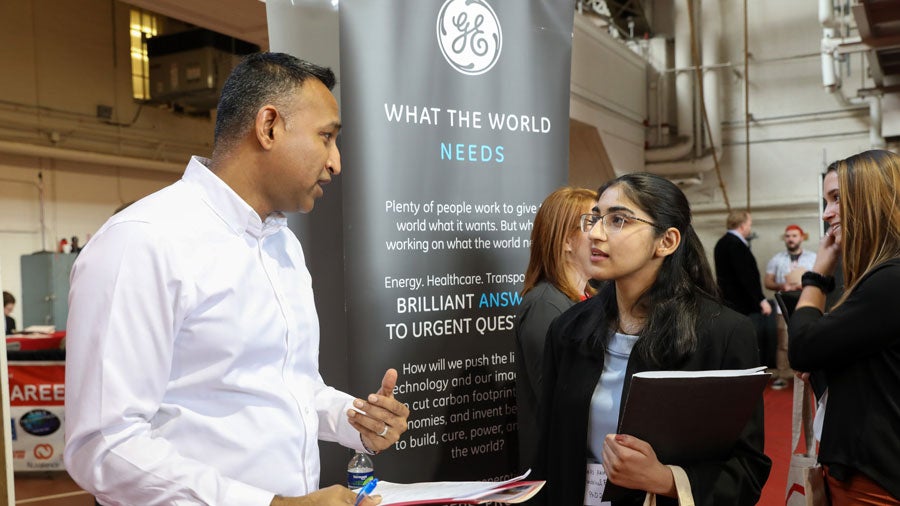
column 557, row 277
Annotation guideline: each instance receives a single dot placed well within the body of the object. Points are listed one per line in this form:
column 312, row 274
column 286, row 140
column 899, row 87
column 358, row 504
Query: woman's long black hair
column 673, row 301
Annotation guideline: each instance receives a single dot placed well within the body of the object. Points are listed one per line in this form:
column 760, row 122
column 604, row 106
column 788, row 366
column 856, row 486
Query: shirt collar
column 227, row 204
column 739, row 236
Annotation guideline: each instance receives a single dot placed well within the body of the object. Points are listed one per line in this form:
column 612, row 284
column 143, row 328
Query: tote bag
column 806, row 481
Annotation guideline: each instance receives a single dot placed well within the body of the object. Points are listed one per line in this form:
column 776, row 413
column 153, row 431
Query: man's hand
column 765, row 308
column 793, row 279
column 334, row 495
column 384, row 418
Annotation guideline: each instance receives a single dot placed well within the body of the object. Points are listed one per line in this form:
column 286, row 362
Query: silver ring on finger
column 384, row 431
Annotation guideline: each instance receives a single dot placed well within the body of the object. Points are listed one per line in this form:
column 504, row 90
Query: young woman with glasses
column 657, row 311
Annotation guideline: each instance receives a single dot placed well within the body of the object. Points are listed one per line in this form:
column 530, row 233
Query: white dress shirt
column 781, row 264
column 192, row 355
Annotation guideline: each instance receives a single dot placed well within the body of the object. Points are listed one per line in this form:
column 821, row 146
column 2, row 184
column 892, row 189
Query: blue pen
column 365, row 491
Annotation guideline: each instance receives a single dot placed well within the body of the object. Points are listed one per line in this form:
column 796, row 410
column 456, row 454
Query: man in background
column 738, row 275
column 783, row 273
column 9, row 303
column 193, row 341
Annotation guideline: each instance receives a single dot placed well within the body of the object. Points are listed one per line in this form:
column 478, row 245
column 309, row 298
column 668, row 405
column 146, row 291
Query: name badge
column 595, row 482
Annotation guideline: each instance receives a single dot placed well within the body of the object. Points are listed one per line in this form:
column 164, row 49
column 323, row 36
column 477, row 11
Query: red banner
column 37, row 395
column 37, row 383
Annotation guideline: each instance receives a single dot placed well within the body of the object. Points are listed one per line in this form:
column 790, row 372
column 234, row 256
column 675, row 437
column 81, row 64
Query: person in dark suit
column 736, row 271
column 739, row 281
column 657, row 310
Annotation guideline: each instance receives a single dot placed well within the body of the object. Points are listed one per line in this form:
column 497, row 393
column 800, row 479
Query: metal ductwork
column 877, row 27
column 72, row 155
column 690, row 155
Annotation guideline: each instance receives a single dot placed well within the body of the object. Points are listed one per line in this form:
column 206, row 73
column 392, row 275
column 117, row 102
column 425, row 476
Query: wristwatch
column 824, row 283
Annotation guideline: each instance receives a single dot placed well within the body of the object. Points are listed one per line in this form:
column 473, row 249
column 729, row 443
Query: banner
column 455, row 117
column 37, row 392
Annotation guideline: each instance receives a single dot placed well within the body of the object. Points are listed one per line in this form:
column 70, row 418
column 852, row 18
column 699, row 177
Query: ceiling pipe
column 826, row 14
column 711, row 38
column 680, row 149
column 683, row 145
column 670, row 160
column 827, row 17
column 876, row 139
column 831, row 77
column 683, row 167
column 686, row 181
column 88, row 157
column 684, row 94
column 684, row 85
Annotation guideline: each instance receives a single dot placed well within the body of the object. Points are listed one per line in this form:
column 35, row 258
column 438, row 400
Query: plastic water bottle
column 360, row 470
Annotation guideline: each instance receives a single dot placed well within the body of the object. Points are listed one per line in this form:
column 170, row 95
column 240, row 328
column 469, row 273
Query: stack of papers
column 515, row 490
column 39, row 329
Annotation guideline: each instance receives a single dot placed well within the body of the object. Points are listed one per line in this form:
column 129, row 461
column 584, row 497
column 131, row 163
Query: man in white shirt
column 192, row 355
column 783, row 274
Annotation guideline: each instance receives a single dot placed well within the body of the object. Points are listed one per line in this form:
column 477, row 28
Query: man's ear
column 264, row 127
column 669, row 242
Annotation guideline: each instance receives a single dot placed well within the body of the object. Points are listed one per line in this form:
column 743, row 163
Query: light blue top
column 604, row 417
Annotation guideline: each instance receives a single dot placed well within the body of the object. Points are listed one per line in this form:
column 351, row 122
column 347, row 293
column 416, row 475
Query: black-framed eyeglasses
column 612, row 222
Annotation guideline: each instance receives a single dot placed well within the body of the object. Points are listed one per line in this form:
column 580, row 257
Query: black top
column 737, row 275
column 726, row 340
column 10, row 324
column 540, row 306
column 858, row 347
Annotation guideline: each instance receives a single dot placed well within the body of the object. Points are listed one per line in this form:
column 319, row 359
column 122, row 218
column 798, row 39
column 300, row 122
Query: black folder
column 689, row 416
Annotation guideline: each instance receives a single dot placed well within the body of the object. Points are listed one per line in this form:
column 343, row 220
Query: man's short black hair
column 258, row 79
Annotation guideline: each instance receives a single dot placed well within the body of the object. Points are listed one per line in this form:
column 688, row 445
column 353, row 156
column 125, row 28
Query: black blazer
column 858, row 347
column 726, row 340
column 540, row 306
column 737, row 275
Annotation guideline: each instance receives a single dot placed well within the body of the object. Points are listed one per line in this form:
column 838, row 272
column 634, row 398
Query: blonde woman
column 857, row 344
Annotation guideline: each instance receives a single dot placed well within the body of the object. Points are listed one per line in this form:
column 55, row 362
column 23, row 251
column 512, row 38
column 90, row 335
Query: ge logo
column 43, row 452
column 469, row 35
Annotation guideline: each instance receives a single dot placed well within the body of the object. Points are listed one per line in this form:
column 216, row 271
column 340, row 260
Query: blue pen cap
column 370, row 486
column 366, row 490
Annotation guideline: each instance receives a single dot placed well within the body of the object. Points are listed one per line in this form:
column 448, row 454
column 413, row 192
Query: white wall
column 608, row 86
column 797, row 127
column 60, row 60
